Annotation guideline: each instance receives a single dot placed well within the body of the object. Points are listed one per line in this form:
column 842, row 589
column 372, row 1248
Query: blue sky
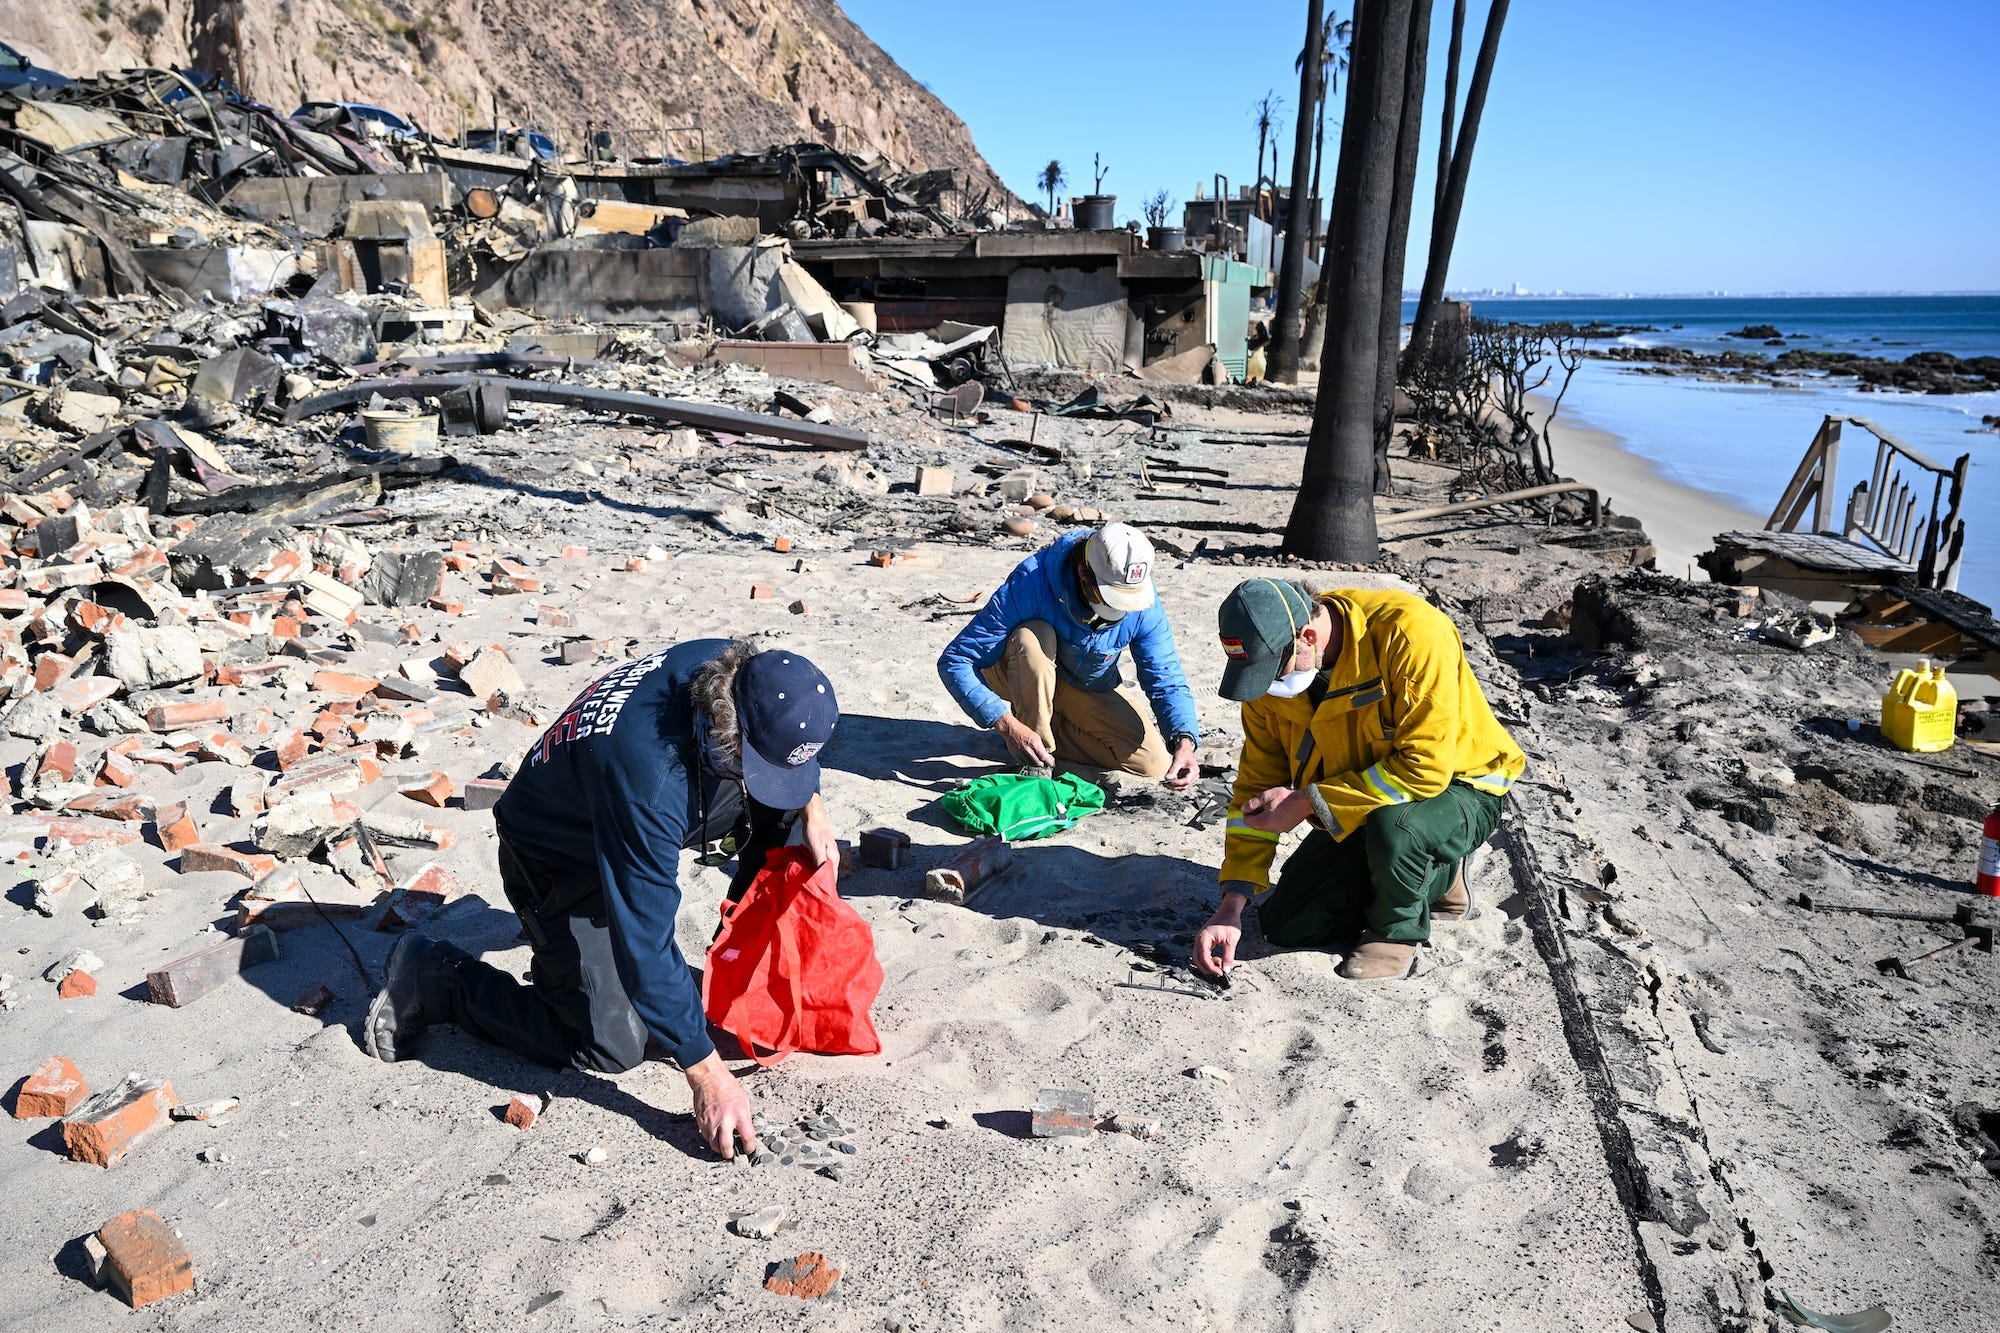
column 1753, row 146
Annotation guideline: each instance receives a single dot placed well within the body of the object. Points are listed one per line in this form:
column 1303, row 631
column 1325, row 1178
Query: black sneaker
column 396, row 1018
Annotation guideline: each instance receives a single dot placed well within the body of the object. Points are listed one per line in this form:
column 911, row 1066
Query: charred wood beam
column 483, row 361
column 703, row 416
column 275, row 498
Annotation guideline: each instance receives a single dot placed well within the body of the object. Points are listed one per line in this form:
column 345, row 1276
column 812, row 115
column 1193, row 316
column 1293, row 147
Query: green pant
column 1383, row 877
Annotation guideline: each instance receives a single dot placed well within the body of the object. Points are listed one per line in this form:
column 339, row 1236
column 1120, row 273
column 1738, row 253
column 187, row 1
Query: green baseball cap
column 1259, row 622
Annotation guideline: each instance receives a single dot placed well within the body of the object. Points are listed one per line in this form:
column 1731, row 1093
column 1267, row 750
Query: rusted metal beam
column 703, row 416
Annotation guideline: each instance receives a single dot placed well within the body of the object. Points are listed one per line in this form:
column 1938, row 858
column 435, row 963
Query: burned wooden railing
column 1890, row 509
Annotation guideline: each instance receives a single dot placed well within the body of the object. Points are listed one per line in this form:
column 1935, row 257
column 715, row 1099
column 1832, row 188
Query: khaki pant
column 1111, row 729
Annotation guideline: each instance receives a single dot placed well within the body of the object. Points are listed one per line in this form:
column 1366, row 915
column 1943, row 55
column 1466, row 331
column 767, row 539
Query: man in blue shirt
column 1039, row 664
column 707, row 746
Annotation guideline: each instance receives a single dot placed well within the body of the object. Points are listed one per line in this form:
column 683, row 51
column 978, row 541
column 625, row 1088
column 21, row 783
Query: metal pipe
column 1507, row 497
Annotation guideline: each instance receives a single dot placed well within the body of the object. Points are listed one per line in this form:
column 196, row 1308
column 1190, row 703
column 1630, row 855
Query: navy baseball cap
column 785, row 711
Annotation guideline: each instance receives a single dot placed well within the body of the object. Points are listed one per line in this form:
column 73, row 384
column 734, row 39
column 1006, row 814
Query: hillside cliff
column 703, row 76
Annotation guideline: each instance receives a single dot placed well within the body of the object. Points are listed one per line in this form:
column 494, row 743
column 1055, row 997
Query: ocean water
column 1745, row 441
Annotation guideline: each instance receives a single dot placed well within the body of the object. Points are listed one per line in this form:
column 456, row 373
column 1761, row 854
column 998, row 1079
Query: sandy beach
column 1682, row 520
column 1528, row 1135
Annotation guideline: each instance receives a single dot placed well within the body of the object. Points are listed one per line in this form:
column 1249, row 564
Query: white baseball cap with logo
column 1121, row 560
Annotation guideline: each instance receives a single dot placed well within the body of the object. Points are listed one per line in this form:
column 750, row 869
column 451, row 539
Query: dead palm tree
column 1333, row 515
column 1050, row 181
column 1454, row 169
column 1286, row 317
column 1334, row 36
column 1265, row 113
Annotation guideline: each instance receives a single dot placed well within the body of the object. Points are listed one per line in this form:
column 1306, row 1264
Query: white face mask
column 1292, row 684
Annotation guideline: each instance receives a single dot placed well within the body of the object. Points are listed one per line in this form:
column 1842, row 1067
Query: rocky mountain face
column 701, row 77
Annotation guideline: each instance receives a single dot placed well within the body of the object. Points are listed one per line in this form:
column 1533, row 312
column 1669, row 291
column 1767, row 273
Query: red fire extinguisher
column 1988, row 882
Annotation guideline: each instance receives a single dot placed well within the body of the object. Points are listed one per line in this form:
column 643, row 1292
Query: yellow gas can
column 1920, row 711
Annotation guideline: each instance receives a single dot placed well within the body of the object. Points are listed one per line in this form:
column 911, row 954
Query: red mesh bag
column 794, row 968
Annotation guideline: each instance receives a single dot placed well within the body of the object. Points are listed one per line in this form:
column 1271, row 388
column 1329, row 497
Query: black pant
column 575, row 1011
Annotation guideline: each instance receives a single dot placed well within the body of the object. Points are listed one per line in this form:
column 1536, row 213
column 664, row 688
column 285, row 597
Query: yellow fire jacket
column 1401, row 717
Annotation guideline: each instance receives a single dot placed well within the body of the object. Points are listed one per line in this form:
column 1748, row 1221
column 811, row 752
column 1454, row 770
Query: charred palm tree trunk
column 1409, row 134
column 1284, row 362
column 1451, row 200
column 1333, row 517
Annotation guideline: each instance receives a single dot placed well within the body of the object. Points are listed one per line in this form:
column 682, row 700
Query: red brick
column 292, row 748
column 125, row 807
column 280, row 568
column 509, row 576
column 58, row 763
column 575, row 552
column 433, row 878
column 329, row 725
column 117, row 771
column 461, row 548
column 344, row 684
column 314, row 1002
column 146, row 561
column 171, row 760
column 434, row 790
column 107, row 1126
column 782, row 545
column 760, row 592
column 53, row 1090
column 13, row 599
column 285, row 627
column 51, row 669
column 83, row 693
column 882, row 559
column 222, row 747
column 459, row 562
column 248, row 673
column 92, row 618
column 77, row 983
column 522, row 1112
column 144, row 1260
column 807, row 1276
column 553, row 617
column 172, row 717
column 406, row 908
column 449, row 605
column 636, row 565
column 179, row 835
column 202, row 856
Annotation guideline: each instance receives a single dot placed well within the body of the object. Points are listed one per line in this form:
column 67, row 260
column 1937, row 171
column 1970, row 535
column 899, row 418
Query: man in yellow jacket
column 1361, row 717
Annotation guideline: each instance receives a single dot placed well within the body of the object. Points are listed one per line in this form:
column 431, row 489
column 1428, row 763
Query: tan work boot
column 1377, row 959
column 1456, row 905
column 1459, row 901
